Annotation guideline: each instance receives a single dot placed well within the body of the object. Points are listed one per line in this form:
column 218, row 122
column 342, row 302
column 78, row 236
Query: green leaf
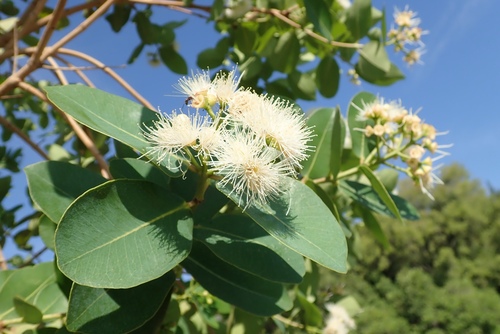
column 244, row 39
column 250, row 68
column 148, row 32
column 173, row 60
column 373, row 62
column 214, row 201
column 373, row 226
column 381, row 191
column 130, row 231
column 318, row 12
column 119, row 17
column 36, row 285
column 213, row 57
column 337, row 146
column 312, row 314
column 303, row 85
column 368, row 197
column 301, row 221
column 52, row 185
column 286, row 53
column 318, row 163
column 388, row 177
column 4, row 186
column 116, row 311
column 109, row 114
column 359, row 18
column 235, row 286
column 383, row 79
column 46, row 230
column 233, row 237
column 29, row 312
column 361, row 145
column 135, row 53
column 328, row 76
column 135, row 169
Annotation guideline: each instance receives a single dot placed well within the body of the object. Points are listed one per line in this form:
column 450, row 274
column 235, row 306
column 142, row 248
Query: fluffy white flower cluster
column 247, row 141
column 401, row 133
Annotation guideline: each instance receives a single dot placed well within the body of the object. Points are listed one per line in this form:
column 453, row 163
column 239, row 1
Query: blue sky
column 456, row 87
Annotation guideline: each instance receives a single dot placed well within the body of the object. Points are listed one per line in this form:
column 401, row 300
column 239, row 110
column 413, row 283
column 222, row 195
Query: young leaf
column 318, row 163
column 319, row 14
column 235, row 286
column 381, row 191
column 129, row 231
column 174, row 61
column 115, row 311
column 337, row 146
column 359, row 18
column 52, row 185
column 368, row 197
column 286, row 53
column 29, row 312
column 361, row 145
column 373, row 226
column 233, row 237
column 301, row 221
column 109, row 114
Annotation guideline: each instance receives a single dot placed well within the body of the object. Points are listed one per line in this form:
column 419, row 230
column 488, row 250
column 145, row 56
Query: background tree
column 440, row 274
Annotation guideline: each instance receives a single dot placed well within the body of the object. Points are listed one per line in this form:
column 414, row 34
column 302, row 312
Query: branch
column 279, row 15
column 7, row 124
column 80, row 133
column 77, row 70
column 36, row 58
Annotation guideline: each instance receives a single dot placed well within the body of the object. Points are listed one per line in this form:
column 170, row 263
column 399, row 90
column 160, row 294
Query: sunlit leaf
column 129, row 231
column 301, row 221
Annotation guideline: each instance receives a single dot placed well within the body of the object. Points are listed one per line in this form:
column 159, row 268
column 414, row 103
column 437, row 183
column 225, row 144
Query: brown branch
column 77, row 70
column 79, row 29
column 36, row 58
column 3, row 262
column 80, row 133
column 279, row 15
column 8, row 125
column 110, row 72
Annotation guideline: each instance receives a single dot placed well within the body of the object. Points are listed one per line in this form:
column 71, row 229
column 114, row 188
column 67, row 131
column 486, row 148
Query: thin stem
column 8, row 125
column 45, row 318
column 278, row 14
column 34, row 257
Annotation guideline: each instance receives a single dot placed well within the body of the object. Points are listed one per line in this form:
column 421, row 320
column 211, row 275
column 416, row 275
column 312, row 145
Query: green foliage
column 440, row 274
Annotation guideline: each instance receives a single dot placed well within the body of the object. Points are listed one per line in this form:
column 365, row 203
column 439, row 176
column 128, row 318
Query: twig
column 77, row 70
column 80, row 133
column 3, row 262
column 7, row 124
column 36, row 58
column 34, row 257
column 278, row 14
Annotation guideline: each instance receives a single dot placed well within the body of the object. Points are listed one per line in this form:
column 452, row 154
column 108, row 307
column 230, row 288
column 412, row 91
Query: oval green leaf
column 361, row 145
column 35, row 285
column 233, row 237
column 368, row 197
column 109, row 114
column 116, row 310
column 128, row 232
column 328, row 76
column 52, row 185
column 318, row 163
column 235, row 286
column 135, row 169
column 302, row 222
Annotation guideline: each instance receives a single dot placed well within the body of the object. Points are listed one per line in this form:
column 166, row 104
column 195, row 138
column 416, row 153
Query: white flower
column 237, row 8
column 197, row 88
column 338, row 321
column 406, row 18
column 225, row 86
column 249, row 166
column 276, row 122
column 170, row 134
